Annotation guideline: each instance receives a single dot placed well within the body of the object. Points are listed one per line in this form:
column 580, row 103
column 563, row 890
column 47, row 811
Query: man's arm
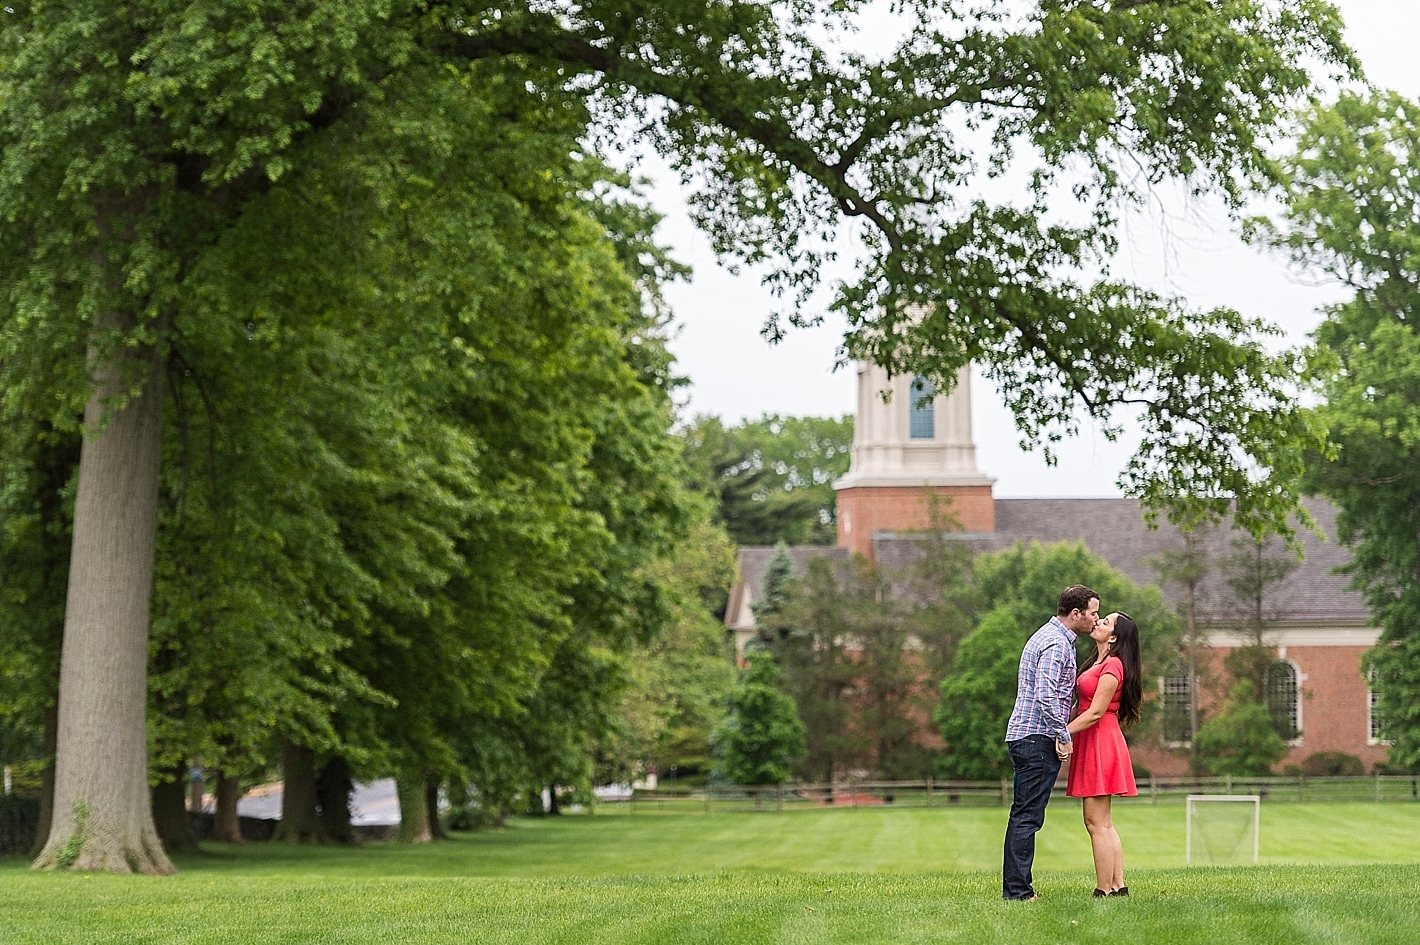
column 1055, row 690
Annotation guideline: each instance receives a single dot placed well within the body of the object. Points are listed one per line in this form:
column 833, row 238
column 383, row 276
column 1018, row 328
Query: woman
column 1110, row 689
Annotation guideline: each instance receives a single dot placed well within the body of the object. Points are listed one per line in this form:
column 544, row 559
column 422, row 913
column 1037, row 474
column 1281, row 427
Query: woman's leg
column 1104, row 842
column 1117, row 880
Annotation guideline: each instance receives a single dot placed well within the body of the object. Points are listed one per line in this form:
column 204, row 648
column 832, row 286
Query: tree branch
column 547, row 40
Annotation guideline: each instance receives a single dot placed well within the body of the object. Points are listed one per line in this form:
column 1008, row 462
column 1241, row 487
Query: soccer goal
column 1223, row 828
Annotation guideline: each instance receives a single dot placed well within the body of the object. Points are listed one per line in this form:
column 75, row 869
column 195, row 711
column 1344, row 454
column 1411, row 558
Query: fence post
column 1003, row 792
column 1301, row 788
column 1153, row 790
column 708, row 791
column 780, row 798
column 1378, row 786
column 929, row 793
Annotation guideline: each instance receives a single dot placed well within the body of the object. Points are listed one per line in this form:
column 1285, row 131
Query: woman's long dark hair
column 1126, row 647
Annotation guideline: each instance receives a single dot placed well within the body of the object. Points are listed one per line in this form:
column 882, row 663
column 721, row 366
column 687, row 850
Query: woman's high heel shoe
column 1101, row 892
column 1121, row 891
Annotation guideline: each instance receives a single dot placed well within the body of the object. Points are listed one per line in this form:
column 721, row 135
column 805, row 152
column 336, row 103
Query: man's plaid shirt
column 1046, row 687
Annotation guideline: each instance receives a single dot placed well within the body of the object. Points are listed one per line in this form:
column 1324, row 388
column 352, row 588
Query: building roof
column 1115, row 530
column 754, row 562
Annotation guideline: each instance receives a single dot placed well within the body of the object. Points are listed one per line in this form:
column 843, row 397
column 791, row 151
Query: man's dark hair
column 1075, row 597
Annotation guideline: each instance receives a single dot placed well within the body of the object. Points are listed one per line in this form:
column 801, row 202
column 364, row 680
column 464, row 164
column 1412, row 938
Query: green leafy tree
column 1252, row 569
column 1019, row 588
column 977, row 698
column 37, row 467
column 936, row 592
column 862, row 648
column 678, row 683
column 1187, row 567
column 1239, row 739
column 762, row 736
column 1352, row 200
column 808, row 626
column 407, row 530
column 772, row 478
column 133, row 151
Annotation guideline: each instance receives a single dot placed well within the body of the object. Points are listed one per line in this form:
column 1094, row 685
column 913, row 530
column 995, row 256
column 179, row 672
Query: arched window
column 1176, row 708
column 922, row 413
column 1284, row 699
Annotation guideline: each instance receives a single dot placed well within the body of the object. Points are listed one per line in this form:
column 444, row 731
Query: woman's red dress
column 1099, row 763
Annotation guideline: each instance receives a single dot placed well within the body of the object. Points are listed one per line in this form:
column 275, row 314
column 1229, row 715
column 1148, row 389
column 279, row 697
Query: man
column 1037, row 735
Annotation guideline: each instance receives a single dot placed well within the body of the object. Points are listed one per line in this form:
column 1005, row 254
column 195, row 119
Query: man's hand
column 1062, row 749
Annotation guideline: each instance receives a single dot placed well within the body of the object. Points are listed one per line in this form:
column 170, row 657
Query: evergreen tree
column 810, row 633
column 762, row 737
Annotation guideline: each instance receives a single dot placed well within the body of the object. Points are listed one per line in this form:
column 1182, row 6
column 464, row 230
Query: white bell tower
column 910, row 444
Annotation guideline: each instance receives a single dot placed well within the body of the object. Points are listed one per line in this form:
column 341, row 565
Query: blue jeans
column 1037, row 766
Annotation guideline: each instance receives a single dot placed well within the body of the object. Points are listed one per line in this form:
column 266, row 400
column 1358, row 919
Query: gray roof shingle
column 1115, row 530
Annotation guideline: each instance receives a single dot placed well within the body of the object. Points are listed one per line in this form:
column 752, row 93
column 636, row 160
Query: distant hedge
column 1333, row 764
column 19, row 821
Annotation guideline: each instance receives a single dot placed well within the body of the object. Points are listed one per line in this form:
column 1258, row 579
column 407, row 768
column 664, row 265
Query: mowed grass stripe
column 873, row 840
column 857, row 876
column 1256, row 905
column 862, row 840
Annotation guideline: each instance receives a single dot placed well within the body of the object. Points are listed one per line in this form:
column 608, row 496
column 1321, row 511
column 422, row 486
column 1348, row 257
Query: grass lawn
column 855, row 876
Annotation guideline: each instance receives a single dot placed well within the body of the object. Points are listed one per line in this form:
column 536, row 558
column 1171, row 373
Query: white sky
column 1189, row 251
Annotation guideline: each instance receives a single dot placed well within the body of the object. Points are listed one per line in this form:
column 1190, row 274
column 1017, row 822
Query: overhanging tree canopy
column 135, row 134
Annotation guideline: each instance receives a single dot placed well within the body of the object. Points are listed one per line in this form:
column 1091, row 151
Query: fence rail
column 931, row 793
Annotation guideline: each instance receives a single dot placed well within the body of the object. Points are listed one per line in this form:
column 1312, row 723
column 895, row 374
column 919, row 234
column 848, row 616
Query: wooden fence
column 852, row 794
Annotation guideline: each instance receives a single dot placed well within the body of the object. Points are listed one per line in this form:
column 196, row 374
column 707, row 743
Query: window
column 1176, row 708
column 1282, row 699
column 1374, row 720
column 922, row 412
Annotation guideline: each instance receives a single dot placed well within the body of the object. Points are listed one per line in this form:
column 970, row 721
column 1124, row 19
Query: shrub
column 1333, row 764
column 1240, row 740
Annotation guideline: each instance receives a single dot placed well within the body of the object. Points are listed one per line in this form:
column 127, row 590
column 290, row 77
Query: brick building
column 914, row 445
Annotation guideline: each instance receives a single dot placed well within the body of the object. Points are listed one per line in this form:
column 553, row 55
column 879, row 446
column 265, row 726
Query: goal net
column 1222, row 828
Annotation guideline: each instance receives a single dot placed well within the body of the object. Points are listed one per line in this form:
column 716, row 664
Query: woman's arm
column 1099, row 705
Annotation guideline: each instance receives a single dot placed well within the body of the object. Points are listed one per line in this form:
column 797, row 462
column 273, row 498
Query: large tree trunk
column 431, row 805
column 226, row 824
column 102, row 818
column 170, row 812
column 413, row 810
column 300, row 820
column 333, row 789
